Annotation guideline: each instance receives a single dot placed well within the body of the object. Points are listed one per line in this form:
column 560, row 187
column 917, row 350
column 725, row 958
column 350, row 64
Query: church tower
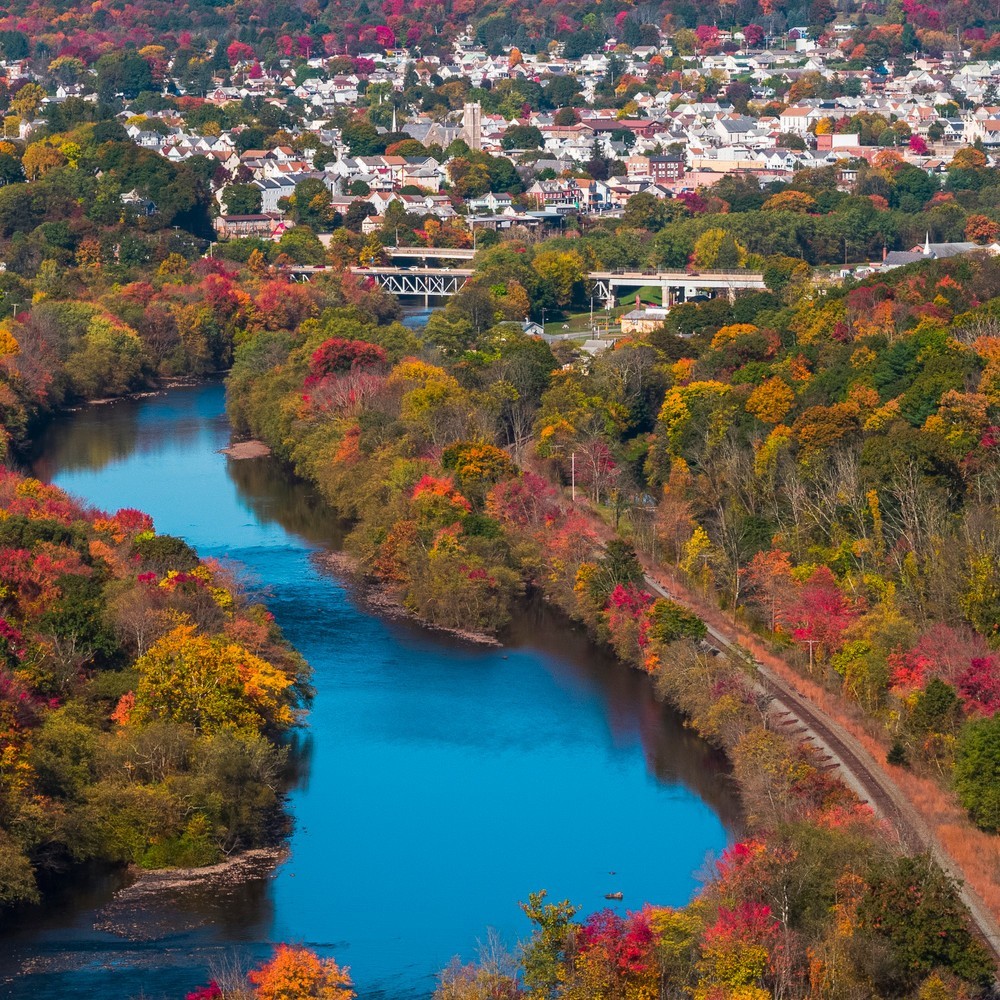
column 472, row 125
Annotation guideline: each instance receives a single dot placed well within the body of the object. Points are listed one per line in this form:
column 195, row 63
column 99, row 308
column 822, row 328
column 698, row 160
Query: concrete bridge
column 675, row 286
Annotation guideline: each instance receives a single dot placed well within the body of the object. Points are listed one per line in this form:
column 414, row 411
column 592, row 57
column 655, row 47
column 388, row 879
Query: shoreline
column 162, row 385
column 380, row 600
column 146, row 907
column 241, row 450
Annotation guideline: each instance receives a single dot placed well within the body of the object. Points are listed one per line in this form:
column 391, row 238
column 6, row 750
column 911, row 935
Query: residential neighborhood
column 742, row 105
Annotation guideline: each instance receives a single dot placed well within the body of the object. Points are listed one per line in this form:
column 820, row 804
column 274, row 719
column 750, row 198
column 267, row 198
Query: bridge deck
column 418, row 272
column 703, row 279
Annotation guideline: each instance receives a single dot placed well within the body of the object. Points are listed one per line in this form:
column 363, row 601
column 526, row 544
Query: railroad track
column 858, row 769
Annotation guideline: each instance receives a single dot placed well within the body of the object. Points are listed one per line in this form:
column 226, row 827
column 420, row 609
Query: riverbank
column 166, row 770
column 443, row 515
column 922, row 816
column 920, row 812
column 382, row 600
column 151, row 906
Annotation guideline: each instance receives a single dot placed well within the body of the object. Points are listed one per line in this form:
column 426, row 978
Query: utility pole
column 810, row 643
column 573, row 475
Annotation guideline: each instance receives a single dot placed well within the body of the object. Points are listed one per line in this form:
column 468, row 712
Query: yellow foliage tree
column 717, row 248
column 210, row 683
column 41, row 157
column 27, row 101
column 790, row 201
column 563, row 269
column 771, row 401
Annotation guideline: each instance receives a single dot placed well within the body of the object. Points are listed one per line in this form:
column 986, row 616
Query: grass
column 580, row 322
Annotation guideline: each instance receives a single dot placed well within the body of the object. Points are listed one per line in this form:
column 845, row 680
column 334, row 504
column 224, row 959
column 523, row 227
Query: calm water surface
column 441, row 782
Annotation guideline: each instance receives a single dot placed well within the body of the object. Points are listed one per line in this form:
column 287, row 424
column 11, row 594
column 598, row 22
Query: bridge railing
column 706, row 272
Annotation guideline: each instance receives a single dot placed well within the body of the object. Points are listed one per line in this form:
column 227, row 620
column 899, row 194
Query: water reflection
column 94, row 437
column 275, row 495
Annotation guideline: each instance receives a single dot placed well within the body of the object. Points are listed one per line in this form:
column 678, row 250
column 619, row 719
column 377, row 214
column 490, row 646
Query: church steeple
column 927, row 244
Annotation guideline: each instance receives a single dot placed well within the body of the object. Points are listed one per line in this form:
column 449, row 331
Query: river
column 441, row 782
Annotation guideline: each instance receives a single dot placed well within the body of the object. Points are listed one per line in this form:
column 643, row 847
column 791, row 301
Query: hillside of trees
column 90, row 35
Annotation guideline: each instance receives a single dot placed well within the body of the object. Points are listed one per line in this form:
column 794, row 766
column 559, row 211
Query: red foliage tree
column 979, row 685
column 525, row 502
column 336, row 355
column 621, row 947
column 820, row 613
column 238, row 52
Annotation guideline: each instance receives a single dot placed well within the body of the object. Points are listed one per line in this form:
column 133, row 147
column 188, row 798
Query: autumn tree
column 798, row 202
column 299, row 974
column 819, row 614
column 562, row 270
column 968, row 158
column 716, row 243
column 771, row 401
column 981, row 229
column 211, row 683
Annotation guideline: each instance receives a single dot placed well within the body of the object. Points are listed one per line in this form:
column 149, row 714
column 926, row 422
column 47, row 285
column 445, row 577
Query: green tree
column 977, row 772
column 362, row 138
column 523, row 137
column 242, row 199
column 302, row 245
column 914, row 906
column 545, row 955
column 312, row 204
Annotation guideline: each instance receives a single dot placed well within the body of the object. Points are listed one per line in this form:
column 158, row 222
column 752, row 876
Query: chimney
column 885, row 252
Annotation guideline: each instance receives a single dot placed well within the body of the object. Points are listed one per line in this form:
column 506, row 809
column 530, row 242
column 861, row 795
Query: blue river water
column 441, row 782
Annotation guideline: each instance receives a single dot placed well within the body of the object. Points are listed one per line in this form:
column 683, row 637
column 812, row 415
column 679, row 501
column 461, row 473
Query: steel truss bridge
column 424, row 282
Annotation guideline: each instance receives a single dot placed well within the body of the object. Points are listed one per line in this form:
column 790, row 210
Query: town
column 445, row 150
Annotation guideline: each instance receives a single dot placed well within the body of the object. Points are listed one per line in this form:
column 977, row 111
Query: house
column 933, row 251
column 644, row 319
column 664, row 169
column 495, row 204
column 263, row 225
column 526, row 326
column 139, row 203
column 796, row 119
column 272, row 190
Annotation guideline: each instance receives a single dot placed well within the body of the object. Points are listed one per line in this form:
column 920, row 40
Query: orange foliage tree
column 297, row 974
